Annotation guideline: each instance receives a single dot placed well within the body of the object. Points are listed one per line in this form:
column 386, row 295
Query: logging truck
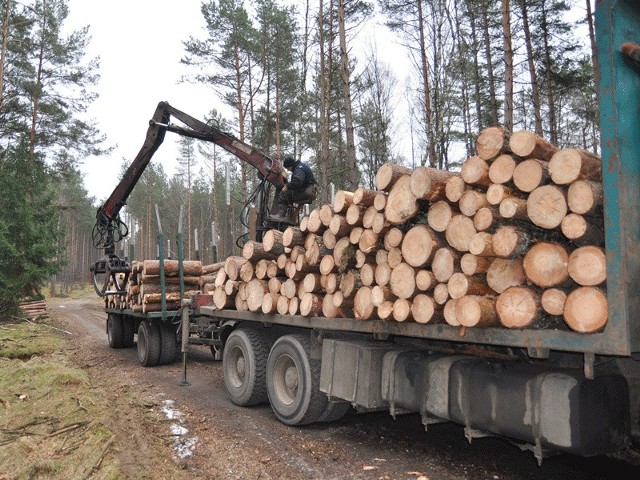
column 502, row 297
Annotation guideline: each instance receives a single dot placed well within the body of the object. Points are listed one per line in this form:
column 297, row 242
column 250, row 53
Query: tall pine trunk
column 535, row 90
column 508, row 68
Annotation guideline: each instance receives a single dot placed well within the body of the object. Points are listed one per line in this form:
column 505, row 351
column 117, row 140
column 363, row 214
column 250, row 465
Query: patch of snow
column 183, row 445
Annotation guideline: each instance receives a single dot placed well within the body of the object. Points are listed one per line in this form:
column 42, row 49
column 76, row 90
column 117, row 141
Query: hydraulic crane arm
column 109, row 229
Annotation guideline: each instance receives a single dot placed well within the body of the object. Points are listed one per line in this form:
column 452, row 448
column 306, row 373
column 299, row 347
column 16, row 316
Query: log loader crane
column 109, row 229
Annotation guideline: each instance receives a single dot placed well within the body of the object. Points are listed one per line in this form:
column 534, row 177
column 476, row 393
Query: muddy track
column 249, row 443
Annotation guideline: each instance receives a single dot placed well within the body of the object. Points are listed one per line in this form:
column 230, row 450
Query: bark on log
column 472, row 264
column 481, row 245
column 293, row 236
column 531, row 174
column 459, row 232
column 388, row 174
column 402, row 310
column 553, row 300
column 429, row 183
column 546, row 264
column 476, row 311
column 547, row 206
column 148, row 288
column 491, row 142
column 419, row 245
column 212, row 268
column 570, row 164
column 364, row 197
column 341, row 201
column 475, row 171
column 501, row 169
column 504, row 273
column 403, row 281
column 401, row 204
column 528, row 144
column 586, row 310
column 581, row 231
column 588, row 266
column 439, row 215
column 272, row 241
column 585, row 197
column 189, row 267
column 255, row 251
column 156, row 297
column 460, row 285
column 518, row 307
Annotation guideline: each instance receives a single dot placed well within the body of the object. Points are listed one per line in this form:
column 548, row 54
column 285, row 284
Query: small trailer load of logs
column 514, row 239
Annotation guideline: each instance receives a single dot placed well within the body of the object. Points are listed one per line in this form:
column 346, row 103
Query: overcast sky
column 140, row 45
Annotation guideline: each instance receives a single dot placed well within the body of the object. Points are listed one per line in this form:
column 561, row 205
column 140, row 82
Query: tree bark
column 428, row 183
column 388, row 174
column 570, row 164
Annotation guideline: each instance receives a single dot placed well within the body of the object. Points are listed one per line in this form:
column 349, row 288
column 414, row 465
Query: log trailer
column 550, row 389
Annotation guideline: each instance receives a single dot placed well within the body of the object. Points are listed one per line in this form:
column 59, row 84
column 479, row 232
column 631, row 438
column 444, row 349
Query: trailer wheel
column 115, row 330
column 244, row 360
column 293, row 381
column 129, row 331
column 334, row 411
column 168, row 344
column 149, row 344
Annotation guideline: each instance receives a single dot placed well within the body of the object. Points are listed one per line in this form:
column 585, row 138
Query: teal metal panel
column 618, row 22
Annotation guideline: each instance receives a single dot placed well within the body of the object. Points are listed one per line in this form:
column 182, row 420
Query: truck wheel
column 168, row 344
column 334, row 411
column 293, row 381
column 129, row 331
column 115, row 330
column 148, row 344
column 244, row 361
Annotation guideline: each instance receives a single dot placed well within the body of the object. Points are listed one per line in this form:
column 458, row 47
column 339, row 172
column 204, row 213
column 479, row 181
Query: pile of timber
column 515, row 239
column 35, row 309
column 144, row 292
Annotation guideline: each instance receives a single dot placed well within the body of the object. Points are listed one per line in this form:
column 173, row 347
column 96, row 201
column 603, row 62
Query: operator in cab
column 301, row 188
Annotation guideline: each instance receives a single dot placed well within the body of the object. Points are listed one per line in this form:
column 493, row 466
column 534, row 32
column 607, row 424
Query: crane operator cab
column 299, row 190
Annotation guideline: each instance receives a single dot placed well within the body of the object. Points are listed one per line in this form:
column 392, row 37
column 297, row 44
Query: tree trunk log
column 586, row 310
column 459, row 232
column 547, row 206
column 528, row 144
column 472, row 264
column 425, row 280
column 510, row 241
column 439, row 215
column 454, row 188
column 553, row 300
column 491, row 142
column 450, row 313
column 393, row 238
column 388, row 174
column 364, row 197
column 354, row 215
column 189, row 267
column 418, row 245
column 429, row 183
column 515, row 208
column 402, row 310
column 588, row 266
column 581, row 231
column 380, row 294
column 312, row 283
column 546, row 264
column 232, row 266
column 341, row 201
column 475, row 171
column 293, row 236
column 501, row 169
column 270, row 302
column 485, row 218
column 460, row 285
column 441, row 294
column 504, row 273
column 380, row 201
column 518, row 307
column 369, row 241
column 255, row 251
column 481, row 245
column 212, row 268
column 585, row 197
column 272, row 241
column 471, row 201
column 443, row 264
column 423, row 308
column 311, row 305
column 255, row 291
column 401, row 204
column 367, row 275
column 570, row 164
column 385, row 311
column 382, row 274
column 476, row 311
column 403, row 281
column 530, row 174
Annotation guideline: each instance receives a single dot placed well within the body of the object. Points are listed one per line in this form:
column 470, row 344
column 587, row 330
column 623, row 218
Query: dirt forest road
column 219, row 440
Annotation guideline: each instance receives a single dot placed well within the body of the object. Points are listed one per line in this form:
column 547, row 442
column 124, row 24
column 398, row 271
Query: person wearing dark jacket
column 300, row 189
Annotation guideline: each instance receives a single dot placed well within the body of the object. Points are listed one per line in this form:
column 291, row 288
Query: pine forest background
column 295, row 84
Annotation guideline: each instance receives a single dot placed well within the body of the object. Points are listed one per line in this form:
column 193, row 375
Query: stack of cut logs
column 514, row 239
column 143, row 290
column 34, row 309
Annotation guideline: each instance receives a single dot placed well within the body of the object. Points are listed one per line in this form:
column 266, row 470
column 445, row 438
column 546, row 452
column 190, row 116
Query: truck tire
column 293, row 381
column 244, row 361
column 334, row 411
column 168, row 344
column 115, row 330
column 149, row 344
column 129, row 331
